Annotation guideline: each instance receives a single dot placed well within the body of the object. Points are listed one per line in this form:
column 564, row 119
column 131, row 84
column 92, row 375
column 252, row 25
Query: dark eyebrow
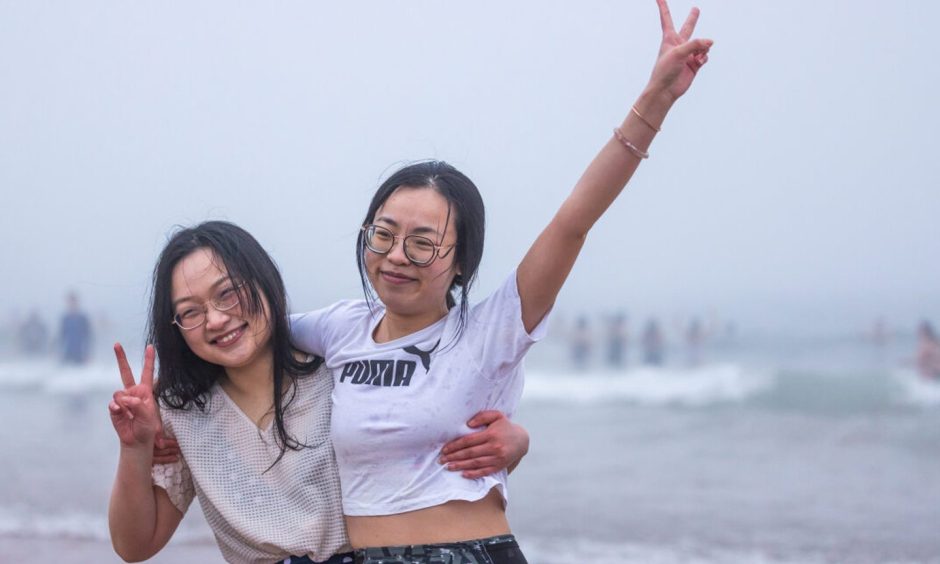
column 415, row 231
column 214, row 285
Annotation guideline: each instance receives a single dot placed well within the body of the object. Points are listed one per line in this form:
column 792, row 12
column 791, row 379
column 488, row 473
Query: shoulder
column 192, row 413
column 504, row 295
column 341, row 310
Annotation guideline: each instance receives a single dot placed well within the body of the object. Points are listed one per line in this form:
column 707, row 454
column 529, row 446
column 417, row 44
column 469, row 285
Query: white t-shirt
column 259, row 515
column 396, row 404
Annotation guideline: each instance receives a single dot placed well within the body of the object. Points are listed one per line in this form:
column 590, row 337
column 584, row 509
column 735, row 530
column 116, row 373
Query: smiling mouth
column 394, row 277
column 230, row 337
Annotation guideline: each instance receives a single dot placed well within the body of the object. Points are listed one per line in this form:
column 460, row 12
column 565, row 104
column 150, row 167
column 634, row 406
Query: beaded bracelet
column 630, row 146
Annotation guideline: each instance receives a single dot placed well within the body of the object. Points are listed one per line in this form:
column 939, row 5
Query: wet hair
column 184, row 379
column 465, row 207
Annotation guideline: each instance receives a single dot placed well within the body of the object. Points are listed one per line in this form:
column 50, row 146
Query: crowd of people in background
column 71, row 342
column 607, row 340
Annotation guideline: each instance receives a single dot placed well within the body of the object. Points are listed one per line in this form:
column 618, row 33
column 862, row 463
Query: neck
column 255, row 379
column 397, row 325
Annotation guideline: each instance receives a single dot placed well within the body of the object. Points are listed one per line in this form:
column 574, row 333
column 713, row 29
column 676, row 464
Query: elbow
column 574, row 231
column 572, row 227
column 130, row 552
column 128, row 556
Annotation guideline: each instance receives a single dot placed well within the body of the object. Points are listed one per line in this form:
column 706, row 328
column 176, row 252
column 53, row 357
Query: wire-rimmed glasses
column 193, row 316
column 418, row 249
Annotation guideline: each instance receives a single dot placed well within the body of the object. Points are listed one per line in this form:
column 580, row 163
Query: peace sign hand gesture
column 680, row 57
column 133, row 409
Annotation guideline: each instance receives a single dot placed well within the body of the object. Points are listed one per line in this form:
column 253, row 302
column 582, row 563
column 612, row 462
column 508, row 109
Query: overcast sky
column 798, row 179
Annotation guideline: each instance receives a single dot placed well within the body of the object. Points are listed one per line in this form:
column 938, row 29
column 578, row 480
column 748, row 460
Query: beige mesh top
column 260, row 514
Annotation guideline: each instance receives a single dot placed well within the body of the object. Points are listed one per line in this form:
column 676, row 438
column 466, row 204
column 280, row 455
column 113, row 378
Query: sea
column 764, row 449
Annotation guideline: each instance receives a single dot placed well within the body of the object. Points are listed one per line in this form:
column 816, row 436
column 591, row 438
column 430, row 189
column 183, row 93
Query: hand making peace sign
column 680, row 57
column 133, row 409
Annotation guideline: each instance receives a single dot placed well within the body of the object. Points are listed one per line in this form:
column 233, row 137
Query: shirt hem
column 383, row 510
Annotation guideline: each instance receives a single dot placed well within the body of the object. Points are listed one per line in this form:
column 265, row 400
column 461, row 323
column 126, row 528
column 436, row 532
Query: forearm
column 546, row 266
column 132, row 513
column 520, row 446
column 612, row 168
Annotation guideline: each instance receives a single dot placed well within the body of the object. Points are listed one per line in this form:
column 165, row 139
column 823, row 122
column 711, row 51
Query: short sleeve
column 312, row 332
column 177, row 481
column 499, row 335
column 175, row 478
column 317, row 332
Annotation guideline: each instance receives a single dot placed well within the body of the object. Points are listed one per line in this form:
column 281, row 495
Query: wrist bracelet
column 644, row 120
column 630, row 146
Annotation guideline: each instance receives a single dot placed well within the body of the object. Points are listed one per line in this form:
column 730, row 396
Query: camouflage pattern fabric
column 482, row 551
column 344, row 558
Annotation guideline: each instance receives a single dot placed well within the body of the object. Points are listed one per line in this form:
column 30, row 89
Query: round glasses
column 418, row 249
column 193, row 316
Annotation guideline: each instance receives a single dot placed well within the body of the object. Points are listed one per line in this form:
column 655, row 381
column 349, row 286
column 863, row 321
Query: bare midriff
column 453, row 521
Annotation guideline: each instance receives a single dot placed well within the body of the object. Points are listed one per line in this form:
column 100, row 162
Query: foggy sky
column 796, row 180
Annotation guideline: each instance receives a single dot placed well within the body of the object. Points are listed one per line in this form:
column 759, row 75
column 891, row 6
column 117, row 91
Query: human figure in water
column 652, row 344
column 694, row 340
column 581, row 342
column 33, row 335
column 618, row 338
column 75, row 333
column 928, row 352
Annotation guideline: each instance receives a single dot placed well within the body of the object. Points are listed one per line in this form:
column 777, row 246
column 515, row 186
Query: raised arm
column 546, row 266
column 141, row 517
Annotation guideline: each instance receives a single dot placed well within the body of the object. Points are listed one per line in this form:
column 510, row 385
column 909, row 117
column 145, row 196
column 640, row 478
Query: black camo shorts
column 502, row 549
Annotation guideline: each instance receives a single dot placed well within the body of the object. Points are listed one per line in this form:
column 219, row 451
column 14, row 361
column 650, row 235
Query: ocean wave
column 77, row 525
column 916, row 390
column 22, row 522
column 705, row 385
column 54, row 378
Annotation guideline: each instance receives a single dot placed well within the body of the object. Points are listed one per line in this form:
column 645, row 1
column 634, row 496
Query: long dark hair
column 465, row 206
column 184, row 379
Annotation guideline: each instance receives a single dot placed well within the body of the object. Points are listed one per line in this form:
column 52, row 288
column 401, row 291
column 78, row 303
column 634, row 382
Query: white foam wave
column 22, row 522
column 700, row 386
column 54, row 378
column 62, row 525
column 917, row 390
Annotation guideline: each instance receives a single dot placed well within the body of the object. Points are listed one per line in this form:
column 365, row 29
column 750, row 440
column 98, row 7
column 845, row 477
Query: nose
column 215, row 319
column 397, row 253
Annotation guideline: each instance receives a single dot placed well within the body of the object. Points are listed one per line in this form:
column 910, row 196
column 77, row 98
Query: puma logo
column 425, row 356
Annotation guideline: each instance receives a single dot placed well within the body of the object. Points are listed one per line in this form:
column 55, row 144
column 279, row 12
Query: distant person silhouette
column 879, row 332
column 581, row 342
column 653, row 344
column 694, row 339
column 33, row 335
column 618, row 339
column 928, row 352
column 74, row 333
